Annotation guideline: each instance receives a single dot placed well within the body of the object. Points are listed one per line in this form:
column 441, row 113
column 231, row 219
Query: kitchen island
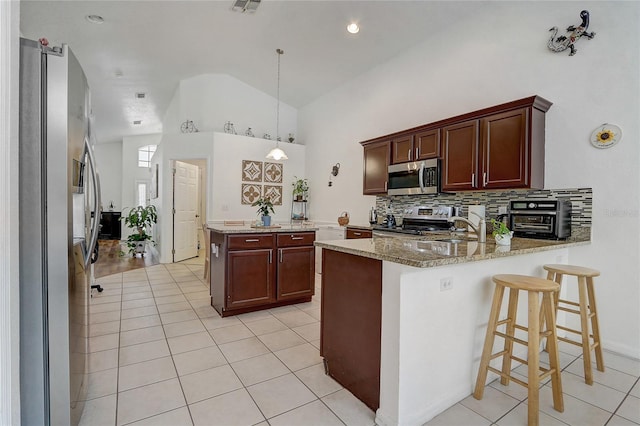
column 404, row 318
column 260, row 268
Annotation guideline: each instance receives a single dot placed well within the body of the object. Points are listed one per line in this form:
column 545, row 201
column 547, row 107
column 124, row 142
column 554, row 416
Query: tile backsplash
column 581, row 202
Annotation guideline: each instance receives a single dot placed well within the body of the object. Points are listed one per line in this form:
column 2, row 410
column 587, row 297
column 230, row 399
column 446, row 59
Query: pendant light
column 276, row 153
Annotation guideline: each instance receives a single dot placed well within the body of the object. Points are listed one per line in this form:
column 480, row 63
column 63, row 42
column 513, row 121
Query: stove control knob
column 532, row 205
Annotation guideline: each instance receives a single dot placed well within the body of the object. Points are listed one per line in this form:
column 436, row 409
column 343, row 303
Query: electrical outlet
column 502, row 210
column 446, row 283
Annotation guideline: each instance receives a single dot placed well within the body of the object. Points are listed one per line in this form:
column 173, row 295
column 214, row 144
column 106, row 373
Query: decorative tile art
column 251, row 171
column 273, row 172
column 275, row 193
column 250, row 192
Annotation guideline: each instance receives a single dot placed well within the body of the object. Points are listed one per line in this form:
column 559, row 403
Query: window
column 144, row 155
column 142, row 196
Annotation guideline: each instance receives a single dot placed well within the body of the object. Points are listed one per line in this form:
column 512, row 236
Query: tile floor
column 160, row 355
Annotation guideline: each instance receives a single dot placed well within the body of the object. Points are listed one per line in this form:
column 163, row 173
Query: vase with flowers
column 501, row 233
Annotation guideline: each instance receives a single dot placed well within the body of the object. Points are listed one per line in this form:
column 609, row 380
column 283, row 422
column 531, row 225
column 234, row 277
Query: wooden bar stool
column 586, row 309
column 538, row 314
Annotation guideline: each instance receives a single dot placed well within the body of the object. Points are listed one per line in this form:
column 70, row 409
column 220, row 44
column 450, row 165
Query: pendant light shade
column 276, row 153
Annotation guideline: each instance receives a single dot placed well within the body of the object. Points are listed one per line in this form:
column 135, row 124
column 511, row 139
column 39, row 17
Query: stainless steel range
column 418, row 220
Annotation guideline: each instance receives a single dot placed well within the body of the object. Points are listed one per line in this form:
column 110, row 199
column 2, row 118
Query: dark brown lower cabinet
column 250, row 272
column 351, row 323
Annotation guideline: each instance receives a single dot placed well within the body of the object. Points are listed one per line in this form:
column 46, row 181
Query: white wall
column 109, row 163
column 501, row 55
column 210, row 100
column 9, row 239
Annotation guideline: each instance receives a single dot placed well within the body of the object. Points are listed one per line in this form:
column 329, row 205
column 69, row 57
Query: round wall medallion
column 605, row 136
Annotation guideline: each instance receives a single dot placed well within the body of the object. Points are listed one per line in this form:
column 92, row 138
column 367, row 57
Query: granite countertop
column 426, row 252
column 247, row 229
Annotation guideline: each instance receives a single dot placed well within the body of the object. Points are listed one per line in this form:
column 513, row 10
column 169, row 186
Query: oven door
column 533, row 225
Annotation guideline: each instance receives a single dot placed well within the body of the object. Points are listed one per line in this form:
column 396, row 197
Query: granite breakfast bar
column 404, row 318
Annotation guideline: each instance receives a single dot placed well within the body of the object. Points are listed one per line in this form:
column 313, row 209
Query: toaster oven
column 548, row 219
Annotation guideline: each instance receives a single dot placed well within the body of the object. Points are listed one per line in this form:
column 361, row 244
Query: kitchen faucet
column 480, row 229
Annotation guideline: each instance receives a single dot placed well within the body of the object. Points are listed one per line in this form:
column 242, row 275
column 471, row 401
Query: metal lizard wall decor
column 563, row 42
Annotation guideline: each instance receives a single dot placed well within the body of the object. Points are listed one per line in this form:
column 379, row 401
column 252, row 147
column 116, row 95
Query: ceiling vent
column 245, row 5
column 141, row 95
column 137, row 122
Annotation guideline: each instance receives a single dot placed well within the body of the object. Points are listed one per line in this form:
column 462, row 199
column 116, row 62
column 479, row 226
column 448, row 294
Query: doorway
column 189, row 213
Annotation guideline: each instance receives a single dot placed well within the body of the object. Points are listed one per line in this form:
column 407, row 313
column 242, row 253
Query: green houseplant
column 140, row 219
column 501, row 233
column 300, row 188
column 265, row 207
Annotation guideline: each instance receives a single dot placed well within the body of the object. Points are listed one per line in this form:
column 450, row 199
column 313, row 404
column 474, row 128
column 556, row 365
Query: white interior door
column 185, row 211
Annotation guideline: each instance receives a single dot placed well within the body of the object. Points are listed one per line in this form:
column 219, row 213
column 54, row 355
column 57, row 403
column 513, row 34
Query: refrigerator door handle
column 95, row 182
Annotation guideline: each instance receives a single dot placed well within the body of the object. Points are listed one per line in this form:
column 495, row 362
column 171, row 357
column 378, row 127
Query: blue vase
column 266, row 220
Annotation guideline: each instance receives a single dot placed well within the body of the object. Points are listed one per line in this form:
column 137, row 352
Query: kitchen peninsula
column 260, row 268
column 404, row 318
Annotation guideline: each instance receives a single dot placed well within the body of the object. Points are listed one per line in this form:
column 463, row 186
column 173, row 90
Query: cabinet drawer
column 358, row 233
column 250, row 241
column 296, row 239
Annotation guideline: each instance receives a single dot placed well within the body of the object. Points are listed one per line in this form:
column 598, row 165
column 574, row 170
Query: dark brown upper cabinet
column 376, row 168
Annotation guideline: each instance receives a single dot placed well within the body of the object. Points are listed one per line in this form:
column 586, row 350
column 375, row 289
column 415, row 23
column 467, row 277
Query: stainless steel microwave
column 418, row 177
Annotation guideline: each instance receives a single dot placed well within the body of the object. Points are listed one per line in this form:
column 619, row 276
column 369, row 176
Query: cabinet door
column 376, row 168
column 460, row 156
column 427, row 144
column 402, row 150
column 296, row 272
column 250, row 278
column 505, row 150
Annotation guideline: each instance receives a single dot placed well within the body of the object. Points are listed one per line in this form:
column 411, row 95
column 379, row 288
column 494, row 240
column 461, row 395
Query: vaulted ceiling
column 149, row 46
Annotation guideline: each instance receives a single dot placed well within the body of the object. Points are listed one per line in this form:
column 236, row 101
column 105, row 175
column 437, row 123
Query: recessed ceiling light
column 118, row 73
column 136, row 122
column 353, row 28
column 94, row 19
column 141, row 95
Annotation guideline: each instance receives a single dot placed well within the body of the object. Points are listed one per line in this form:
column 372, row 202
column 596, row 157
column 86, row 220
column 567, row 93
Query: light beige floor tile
column 493, row 405
column 132, row 290
column 635, row 391
column 138, row 303
column 576, row 412
column 174, row 290
column 315, row 379
column 299, row 357
column 103, row 360
column 254, row 316
column 231, row 409
column 150, row 400
column 104, row 297
column 140, row 322
column 103, row 328
column 309, row 332
column 599, row 395
column 177, row 316
column 612, row 378
column 183, row 327
column 458, row 415
column 230, row 334
column 281, row 309
column 176, row 298
column 198, row 360
column 137, row 295
column 258, row 369
column 216, row 322
column 315, row 313
column 182, row 285
column 114, row 278
column 194, row 288
column 190, row 342
column 99, row 412
column 315, row 412
column 196, row 295
column 243, row 349
column 141, row 335
column 104, row 307
column 630, row 409
column 281, row 394
column 178, row 417
column 102, row 383
column 514, row 390
column 139, row 312
column 143, row 352
column 201, row 303
column 145, row 373
column 295, row 318
column 103, row 343
column 134, row 285
column 174, row 307
column 204, row 311
column 281, row 340
column 519, row 415
column 98, row 296
column 96, row 318
column 349, row 409
column 620, row 363
column 209, row 383
column 266, row 326
column 620, row 421
column 160, row 279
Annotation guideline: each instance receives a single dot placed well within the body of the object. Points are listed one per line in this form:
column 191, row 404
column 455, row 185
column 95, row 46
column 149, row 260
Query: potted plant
column 300, row 188
column 140, row 219
column 501, row 233
column 265, row 206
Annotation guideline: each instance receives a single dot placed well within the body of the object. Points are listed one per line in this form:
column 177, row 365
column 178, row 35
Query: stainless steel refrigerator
column 59, row 219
